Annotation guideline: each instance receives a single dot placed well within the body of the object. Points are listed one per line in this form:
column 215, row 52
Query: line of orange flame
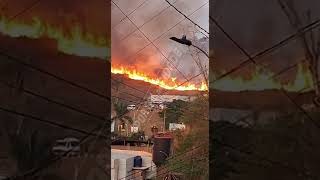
column 170, row 83
column 81, row 44
column 85, row 44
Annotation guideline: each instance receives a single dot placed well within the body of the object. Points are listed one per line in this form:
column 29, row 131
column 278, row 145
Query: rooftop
column 125, row 154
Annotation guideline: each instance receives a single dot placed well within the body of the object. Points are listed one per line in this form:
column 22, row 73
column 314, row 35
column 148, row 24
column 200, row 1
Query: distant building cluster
column 162, row 99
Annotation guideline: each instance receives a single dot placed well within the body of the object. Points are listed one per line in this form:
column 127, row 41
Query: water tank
column 161, row 148
column 137, row 161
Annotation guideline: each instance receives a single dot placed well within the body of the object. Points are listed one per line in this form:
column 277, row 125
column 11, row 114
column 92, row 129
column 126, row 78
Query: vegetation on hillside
column 286, row 148
column 190, row 157
column 173, row 112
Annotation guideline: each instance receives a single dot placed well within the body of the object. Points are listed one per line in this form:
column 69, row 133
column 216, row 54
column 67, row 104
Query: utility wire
column 32, row 5
column 171, row 157
column 138, row 28
column 19, row 61
column 51, row 123
column 182, row 160
column 26, row 91
column 187, row 18
column 130, row 13
column 284, row 92
column 59, row 78
column 153, row 17
column 128, row 85
column 56, row 159
column 283, row 42
column 122, row 92
column 282, row 71
column 232, row 40
column 263, row 158
column 164, row 33
column 151, row 41
column 161, row 35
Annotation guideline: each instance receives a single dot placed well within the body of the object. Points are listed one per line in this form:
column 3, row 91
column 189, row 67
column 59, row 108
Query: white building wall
column 158, row 99
column 122, row 163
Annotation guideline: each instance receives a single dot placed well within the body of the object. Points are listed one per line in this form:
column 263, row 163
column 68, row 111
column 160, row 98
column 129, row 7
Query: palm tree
column 121, row 110
column 116, row 84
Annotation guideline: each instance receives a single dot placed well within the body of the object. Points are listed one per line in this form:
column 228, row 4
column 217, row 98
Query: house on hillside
column 161, row 99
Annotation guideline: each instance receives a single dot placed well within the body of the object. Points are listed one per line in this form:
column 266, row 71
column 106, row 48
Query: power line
column 187, row 17
column 127, row 85
column 100, row 118
column 74, row 84
column 56, row 159
column 286, row 94
column 282, row 71
column 182, row 160
column 263, row 158
column 19, row 61
column 42, row 167
column 130, row 13
column 204, row 71
column 32, row 5
column 126, row 99
column 127, row 93
column 143, row 99
column 158, row 37
column 150, row 41
column 172, row 157
column 232, row 40
column 51, row 123
column 282, row 89
column 143, row 23
column 283, row 42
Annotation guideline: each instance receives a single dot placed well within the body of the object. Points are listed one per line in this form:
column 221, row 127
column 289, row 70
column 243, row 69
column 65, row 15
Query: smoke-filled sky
column 158, row 22
column 257, row 25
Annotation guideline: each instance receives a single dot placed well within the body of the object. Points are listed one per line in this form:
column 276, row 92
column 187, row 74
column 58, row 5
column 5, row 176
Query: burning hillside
column 77, row 42
column 170, row 84
column 257, row 81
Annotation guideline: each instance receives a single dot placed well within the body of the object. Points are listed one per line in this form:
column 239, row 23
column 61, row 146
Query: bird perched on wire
column 183, row 40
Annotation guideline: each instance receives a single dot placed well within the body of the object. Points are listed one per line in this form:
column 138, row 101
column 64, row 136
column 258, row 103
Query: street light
column 187, row 42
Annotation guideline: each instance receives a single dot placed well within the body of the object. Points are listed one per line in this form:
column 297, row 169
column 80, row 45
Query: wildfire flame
column 262, row 81
column 75, row 43
column 170, row 83
column 80, row 43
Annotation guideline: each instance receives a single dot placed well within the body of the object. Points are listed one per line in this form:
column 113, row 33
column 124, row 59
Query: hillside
column 88, row 72
column 134, row 90
column 267, row 99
